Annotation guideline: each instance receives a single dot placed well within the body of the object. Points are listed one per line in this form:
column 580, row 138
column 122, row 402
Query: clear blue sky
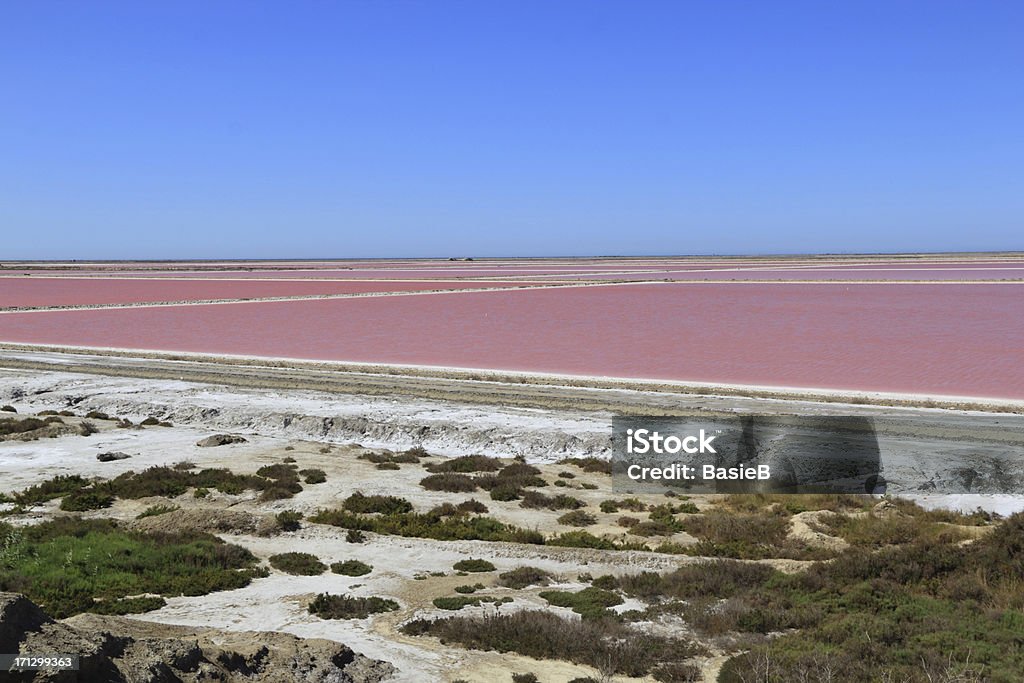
column 360, row 129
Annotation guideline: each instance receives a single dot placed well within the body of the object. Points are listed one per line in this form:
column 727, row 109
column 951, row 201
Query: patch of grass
column 600, row 643
column 589, row 464
column 20, row 426
column 154, row 510
column 328, row 606
column 389, row 466
column 577, row 518
column 878, row 530
column 289, row 520
column 351, row 568
column 86, row 499
column 299, row 564
column 57, row 487
column 449, row 481
column 590, row 603
column 521, row 577
column 536, row 499
column 467, row 589
column 313, row 476
column 472, row 565
column 466, row 463
column 124, row 606
column 385, row 505
column 67, row 564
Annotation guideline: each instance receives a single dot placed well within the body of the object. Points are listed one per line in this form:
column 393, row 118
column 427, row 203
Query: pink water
column 40, row 291
column 930, row 338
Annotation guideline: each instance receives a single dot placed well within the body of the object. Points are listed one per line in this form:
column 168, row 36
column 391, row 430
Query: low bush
column 86, row 499
column 351, row 568
column 467, row 589
column 58, row 486
column 600, row 643
column 154, row 510
column 521, row 577
column 589, row 464
column 449, row 481
column 68, row 564
column 577, row 518
column 466, row 463
column 385, row 505
column 150, row 422
column 313, row 476
column 473, row 565
column 590, row 603
column 124, row 606
column 355, row 536
column 289, row 520
column 299, row 564
column 536, row 499
column 328, row 606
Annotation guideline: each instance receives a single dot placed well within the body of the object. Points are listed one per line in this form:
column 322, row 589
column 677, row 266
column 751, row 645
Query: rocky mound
column 220, row 440
column 120, row 650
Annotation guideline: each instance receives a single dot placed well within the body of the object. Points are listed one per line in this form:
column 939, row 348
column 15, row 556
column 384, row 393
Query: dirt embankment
column 119, row 649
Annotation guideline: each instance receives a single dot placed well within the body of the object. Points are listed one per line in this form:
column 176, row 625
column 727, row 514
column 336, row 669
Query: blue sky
column 363, row 129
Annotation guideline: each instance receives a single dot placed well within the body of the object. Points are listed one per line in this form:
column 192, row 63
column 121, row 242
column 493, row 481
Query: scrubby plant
column 589, row 464
column 155, row 510
column 473, row 565
column 590, row 603
column 68, row 564
column 386, row 505
column 351, row 568
column 577, row 518
column 466, row 463
column 300, row 564
column 86, row 499
column 328, row 606
column 313, row 476
column 521, row 577
column 355, row 536
column 449, row 481
column 289, row 520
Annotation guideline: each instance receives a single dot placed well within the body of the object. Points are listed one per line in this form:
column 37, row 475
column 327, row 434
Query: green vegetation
column 521, row 577
column 466, row 463
column 536, row 499
column 385, row 505
column 289, row 520
column 473, row 565
column 328, row 606
column 154, row 510
column 590, row 603
column 299, row 564
column 68, row 564
column 351, row 568
column 746, row 536
column 589, row 464
column 601, row 643
column 466, row 589
column 457, row 602
column 449, row 481
column 577, row 518
column 313, row 476
column 431, row 525
column 86, row 499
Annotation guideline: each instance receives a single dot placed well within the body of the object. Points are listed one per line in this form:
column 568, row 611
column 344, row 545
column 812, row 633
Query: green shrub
column 289, row 520
column 505, row 493
column 154, row 510
column 150, row 422
column 466, row 463
column 521, row 577
column 386, row 505
column 299, row 564
column 313, row 476
column 536, row 499
column 590, row 603
column 589, row 464
column 67, row 564
column 128, row 605
column 351, row 568
column 355, row 536
column 58, row 486
column 86, row 499
column 466, row 589
column 577, row 518
column 449, row 481
column 389, row 466
column 96, row 415
column 328, row 606
column 473, row 565
column 599, row 643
